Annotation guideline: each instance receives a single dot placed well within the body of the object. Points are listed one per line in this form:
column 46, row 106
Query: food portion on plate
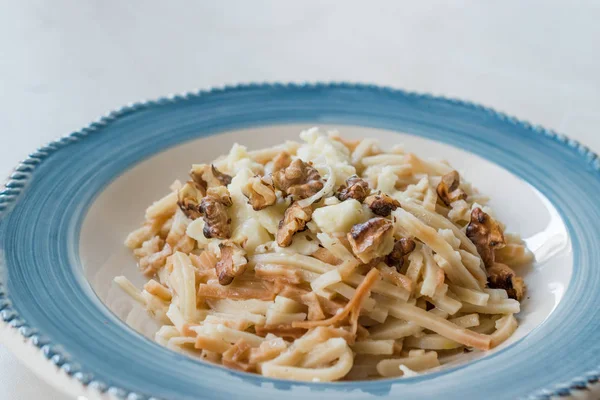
column 327, row 260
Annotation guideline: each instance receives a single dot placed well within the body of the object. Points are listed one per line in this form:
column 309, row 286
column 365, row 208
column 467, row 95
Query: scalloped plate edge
column 19, row 337
column 33, row 358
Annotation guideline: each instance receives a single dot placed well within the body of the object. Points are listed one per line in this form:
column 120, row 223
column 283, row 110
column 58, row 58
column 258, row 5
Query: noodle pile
column 327, row 260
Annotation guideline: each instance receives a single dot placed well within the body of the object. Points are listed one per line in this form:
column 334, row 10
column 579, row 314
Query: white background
column 64, row 63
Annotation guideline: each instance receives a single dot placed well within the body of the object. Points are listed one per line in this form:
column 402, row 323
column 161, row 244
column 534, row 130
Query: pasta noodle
column 437, row 222
column 431, row 342
column 508, row 306
column 325, row 260
column 391, row 367
column 164, row 207
column 455, row 270
column 433, row 276
column 322, row 374
column 471, row 296
column 374, row 347
column 466, row 321
column 394, row 329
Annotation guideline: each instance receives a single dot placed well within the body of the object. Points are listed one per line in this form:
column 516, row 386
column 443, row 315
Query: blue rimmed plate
column 66, row 209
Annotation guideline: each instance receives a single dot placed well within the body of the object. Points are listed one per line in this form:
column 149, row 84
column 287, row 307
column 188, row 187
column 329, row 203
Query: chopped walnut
column 372, row 239
column 198, row 174
column 214, row 208
column 448, row 189
column 221, row 193
column 486, row 234
column 281, row 161
column 232, row 263
column 223, row 178
column 355, row 188
column 402, row 247
column 206, row 176
column 188, row 199
column 260, row 192
column 501, row 276
column 382, row 204
column 299, row 179
column 294, row 220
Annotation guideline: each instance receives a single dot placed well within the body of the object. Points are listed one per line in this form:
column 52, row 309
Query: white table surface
column 64, row 63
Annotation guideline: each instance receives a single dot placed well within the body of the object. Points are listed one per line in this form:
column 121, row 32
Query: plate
column 66, row 210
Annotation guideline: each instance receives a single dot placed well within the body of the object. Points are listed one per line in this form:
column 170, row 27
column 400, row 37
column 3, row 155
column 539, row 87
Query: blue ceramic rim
column 19, row 178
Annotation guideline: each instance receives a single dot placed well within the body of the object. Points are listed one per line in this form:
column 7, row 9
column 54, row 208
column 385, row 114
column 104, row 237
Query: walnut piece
column 294, row 220
column 232, row 263
column 501, row 276
column 381, row 204
column 281, row 161
column 299, row 179
column 223, row 178
column 372, row 239
column 214, row 208
column 206, row 176
column 486, row 234
column 188, row 199
column 448, row 189
column 260, row 192
column 355, row 188
column 402, row 247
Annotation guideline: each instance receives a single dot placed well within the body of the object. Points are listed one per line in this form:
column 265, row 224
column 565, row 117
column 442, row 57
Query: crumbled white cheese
column 250, row 234
column 339, row 217
column 330, row 201
column 238, row 160
column 195, row 231
column 320, row 147
column 302, row 243
column 269, row 217
column 240, row 210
